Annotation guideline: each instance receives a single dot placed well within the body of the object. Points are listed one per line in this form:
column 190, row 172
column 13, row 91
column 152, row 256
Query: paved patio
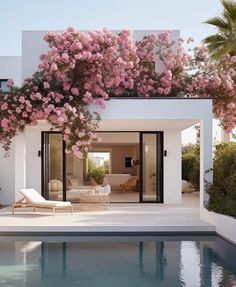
column 117, row 218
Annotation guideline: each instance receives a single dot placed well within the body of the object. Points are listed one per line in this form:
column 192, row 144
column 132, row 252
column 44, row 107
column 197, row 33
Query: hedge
column 222, row 193
column 191, row 168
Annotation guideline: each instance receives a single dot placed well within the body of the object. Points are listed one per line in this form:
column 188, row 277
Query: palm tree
column 224, row 41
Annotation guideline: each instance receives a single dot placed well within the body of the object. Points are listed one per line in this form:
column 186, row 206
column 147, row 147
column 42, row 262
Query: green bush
column 97, row 174
column 191, row 168
column 222, row 193
column 188, row 160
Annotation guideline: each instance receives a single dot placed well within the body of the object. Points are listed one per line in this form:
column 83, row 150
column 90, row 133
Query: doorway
column 63, row 175
column 151, row 167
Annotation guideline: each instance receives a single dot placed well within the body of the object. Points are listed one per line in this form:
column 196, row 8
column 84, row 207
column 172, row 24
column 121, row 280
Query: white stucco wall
column 20, row 164
column 23, row 167
column 10, row 68
column 172, row 167
column 170, row 116
column 12, row 171
column 7, row 177
column 225, row 225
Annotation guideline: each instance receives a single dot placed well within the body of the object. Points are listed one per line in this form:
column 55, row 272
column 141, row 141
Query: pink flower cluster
column 81, row 69
column 90, row 66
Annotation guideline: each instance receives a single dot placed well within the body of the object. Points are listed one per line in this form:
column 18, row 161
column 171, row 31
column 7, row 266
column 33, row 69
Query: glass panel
column 123, row 151
column 3, row 86
column 98, row 165
column 75, row 177
column 106, row 163
column 84, row 175
column 55, row 168
column 149, row 167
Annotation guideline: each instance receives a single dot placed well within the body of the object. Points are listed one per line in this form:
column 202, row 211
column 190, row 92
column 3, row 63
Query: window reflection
column 190, row 264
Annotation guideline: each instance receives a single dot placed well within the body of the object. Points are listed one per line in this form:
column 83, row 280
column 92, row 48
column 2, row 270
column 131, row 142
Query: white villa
column 141, row 137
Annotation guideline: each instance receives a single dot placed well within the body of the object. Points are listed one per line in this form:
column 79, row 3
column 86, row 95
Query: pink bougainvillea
column 82, row 69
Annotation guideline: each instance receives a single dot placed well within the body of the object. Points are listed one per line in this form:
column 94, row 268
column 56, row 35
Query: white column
column 7, row 176
column 172, row 167
column 12, row 171
column 20, row 168
column 205, row 157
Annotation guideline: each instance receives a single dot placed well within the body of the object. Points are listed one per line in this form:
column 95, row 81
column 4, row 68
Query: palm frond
column 221, row 48
column 229, row 10
column 213, row 39
column 218, row 23
column 224, row 41
column 217, row 45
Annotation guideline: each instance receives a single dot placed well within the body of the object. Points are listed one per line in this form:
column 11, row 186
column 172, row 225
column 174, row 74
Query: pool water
column 117, row 261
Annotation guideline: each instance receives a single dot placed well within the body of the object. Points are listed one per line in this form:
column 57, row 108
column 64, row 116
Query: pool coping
column 107, row 233
column 110, row 234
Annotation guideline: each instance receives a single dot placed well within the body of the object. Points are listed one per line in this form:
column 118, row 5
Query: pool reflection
column 205, row 261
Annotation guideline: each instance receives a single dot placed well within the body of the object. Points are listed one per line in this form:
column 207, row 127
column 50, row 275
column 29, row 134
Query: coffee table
column 94, row 200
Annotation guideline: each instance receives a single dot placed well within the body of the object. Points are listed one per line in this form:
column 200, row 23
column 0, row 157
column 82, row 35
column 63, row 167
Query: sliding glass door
column 52, row 165
column 151, row 168
column 64, row 176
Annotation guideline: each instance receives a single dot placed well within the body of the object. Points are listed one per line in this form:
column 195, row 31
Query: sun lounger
column 33, row 199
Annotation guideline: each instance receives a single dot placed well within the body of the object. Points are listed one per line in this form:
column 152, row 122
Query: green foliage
column 189, row 148
column 191, row 161
column 222, row 193
column 97, row 172
column 106, row 165
column 224, row 41
column 191, row 168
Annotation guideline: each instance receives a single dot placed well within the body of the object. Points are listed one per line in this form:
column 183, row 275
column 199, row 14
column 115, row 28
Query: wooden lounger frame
column 25, row 203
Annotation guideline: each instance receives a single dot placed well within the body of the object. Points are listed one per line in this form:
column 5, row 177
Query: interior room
column 113, row 161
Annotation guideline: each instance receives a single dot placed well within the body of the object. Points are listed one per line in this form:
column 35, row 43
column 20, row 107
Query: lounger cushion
column 34, row 197
column 53, row 203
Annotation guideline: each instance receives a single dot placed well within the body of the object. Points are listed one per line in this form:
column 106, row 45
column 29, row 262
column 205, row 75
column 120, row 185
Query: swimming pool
column 117, row 261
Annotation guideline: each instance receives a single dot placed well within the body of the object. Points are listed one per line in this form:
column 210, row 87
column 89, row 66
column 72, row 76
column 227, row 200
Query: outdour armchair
column 130, row 185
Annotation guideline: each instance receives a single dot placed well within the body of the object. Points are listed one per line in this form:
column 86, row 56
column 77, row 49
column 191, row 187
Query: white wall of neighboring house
column 10, row 68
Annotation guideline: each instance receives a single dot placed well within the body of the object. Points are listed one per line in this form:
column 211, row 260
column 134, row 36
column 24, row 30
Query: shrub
column 222, row 193
column 97, row 174
column 191, row 168
column 188, row 160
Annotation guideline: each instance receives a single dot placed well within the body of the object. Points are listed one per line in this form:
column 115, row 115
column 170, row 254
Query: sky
column 184, row 15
